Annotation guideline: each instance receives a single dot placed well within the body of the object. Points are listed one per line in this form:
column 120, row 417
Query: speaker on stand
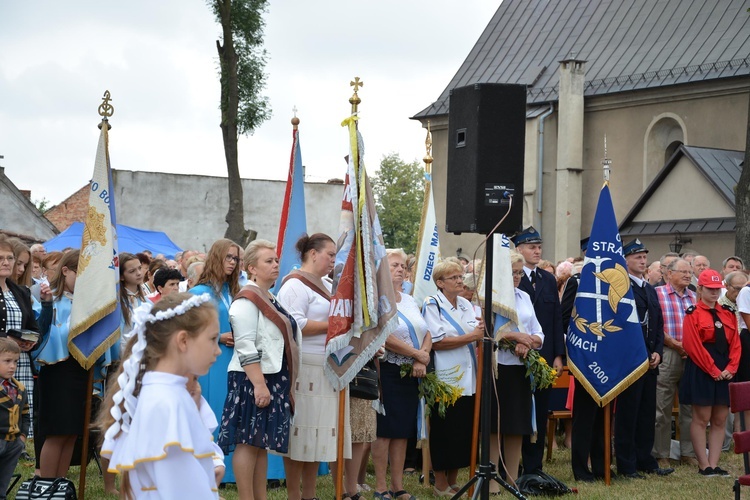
column 486, row 124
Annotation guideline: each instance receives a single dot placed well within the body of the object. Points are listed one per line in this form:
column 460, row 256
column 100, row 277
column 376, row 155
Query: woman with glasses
column 455, row 329
column 220, row 279
column 513, row 398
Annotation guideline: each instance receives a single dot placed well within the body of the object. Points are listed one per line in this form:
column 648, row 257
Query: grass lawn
column 683, row 483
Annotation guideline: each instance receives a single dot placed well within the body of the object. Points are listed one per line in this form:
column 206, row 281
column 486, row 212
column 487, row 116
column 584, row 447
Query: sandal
column 448, row 492
column 356, row 496
column 400, row 493
column 385, row 495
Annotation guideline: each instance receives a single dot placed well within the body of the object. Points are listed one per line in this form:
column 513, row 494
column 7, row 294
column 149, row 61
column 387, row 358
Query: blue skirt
column 242, row 422
column 699, row 388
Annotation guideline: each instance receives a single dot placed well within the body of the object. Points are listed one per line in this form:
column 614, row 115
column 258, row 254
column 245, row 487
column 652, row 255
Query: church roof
column 721, row 168
column 628, row 45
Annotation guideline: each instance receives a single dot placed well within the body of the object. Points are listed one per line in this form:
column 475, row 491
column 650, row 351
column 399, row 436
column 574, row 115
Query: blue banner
column 606, row 351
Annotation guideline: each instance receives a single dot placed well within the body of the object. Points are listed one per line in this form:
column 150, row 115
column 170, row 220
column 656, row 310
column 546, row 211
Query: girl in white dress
column 155, row 438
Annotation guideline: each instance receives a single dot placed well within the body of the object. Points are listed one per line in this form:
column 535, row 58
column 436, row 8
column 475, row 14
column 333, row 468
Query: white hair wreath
column 131, row 366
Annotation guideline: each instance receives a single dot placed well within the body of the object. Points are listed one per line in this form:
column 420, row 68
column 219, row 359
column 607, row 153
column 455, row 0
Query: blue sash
column 457, row 327
column 421, row 427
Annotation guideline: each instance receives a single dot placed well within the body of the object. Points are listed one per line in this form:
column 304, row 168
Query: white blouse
column 304, row 304
column 463, row 357
column 409, row 308
column 527, row 318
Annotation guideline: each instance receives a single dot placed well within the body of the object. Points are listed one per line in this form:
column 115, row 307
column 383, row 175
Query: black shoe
column 26, row 457
column 707, row 472
column 432, row 478
column 720, row 472
column 633, row 475
column 660, row 472
column 586, row 479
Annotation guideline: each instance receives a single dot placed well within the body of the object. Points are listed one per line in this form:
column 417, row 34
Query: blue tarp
column 129, row 239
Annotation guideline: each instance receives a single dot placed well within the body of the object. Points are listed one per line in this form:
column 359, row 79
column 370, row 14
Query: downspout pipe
column 540, row 156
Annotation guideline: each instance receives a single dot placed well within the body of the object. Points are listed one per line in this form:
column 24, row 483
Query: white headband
column 132, row 365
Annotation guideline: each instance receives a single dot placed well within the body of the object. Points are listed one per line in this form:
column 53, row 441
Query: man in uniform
column 636, row 405
column 542, row 288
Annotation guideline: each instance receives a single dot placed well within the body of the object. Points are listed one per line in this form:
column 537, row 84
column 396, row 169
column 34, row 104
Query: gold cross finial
column 356, row 84
column 106, row 109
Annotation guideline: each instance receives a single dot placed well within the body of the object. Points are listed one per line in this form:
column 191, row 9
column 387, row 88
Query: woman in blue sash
column 455, row 329
column 220, row 279
column 409, row 344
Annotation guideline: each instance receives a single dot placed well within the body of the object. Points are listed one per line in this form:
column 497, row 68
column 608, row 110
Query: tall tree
column 399, row 191
column 742, row 203
column 241, row 62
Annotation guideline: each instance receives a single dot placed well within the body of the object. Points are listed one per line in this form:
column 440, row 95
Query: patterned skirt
column 242, row 422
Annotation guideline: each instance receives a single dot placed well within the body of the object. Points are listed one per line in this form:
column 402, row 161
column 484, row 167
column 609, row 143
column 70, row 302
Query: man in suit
column 636, row 405
column 541, row 286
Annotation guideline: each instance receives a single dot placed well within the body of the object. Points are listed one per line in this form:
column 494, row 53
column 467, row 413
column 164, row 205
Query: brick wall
column 71, row 210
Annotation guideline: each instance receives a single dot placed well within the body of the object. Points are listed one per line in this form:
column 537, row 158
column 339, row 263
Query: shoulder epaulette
column 690, row 310
column 728, row 307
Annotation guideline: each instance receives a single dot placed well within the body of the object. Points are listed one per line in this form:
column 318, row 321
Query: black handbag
column 541, row 483
column 365, row 384
column 39, row 488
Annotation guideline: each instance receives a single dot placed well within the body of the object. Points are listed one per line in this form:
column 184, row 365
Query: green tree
column 42, row 205
column 241, row 63
column 399, row 192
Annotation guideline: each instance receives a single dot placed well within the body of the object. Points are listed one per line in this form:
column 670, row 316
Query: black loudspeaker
column 486, row 127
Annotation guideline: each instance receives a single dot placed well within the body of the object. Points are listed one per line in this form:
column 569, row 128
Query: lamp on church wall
column 676, row 244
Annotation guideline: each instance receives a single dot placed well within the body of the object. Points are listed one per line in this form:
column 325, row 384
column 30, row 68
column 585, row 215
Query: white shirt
column 527, row 318
column 168, row 451
column 441, row 328
column 409, row 308
column 304, row 304
column 743, row 304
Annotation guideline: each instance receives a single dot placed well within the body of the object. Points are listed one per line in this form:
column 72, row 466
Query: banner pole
column 477, row 411
column 607, row 445
column 340, row 446
column 85, row 441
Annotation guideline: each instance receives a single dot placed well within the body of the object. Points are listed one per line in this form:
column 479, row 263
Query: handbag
column 541, row 483
column 38, row 488
column 365, row 384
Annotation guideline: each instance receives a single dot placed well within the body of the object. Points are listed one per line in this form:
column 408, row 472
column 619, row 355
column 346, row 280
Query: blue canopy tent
column 129, row 239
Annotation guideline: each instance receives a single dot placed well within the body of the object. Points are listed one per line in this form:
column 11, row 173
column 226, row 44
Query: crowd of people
column 248, row 346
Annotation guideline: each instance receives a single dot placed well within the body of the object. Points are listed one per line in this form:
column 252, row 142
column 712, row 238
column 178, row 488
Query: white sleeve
column 180, row 475
column 434, row 322
column 243, row 315
column 294, row 298
column 743, row 300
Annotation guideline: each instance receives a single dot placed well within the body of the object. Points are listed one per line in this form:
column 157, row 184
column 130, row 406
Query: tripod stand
column 486, row 469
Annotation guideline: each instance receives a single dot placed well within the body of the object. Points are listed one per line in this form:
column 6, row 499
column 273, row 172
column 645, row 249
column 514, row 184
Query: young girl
column 131, row 294
column 154, row 435
column 62, row 381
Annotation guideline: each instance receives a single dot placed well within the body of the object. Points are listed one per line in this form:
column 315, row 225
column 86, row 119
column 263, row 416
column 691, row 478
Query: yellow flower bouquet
column 542, row 375
column 435, row 390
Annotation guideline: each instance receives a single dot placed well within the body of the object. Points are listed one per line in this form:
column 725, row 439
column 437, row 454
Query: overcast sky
column 158, row 60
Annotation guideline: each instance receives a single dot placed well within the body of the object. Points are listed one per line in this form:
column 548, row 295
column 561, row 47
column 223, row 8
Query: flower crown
column 131, row 366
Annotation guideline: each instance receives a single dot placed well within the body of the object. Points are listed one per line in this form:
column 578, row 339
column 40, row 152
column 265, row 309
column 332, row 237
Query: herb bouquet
column 435, row 390
column 542, row 375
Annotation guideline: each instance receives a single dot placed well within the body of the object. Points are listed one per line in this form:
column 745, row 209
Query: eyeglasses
column 230, row 258
column 519, row 273
column 7, row 259
column 457, row 277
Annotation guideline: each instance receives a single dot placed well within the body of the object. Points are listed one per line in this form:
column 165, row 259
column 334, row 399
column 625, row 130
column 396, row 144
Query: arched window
column 664, row 135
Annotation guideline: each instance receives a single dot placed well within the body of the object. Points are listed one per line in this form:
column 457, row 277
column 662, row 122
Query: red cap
column 710, row 279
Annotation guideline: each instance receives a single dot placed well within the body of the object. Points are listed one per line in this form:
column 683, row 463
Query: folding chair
column 739, row 402
column 561, row 383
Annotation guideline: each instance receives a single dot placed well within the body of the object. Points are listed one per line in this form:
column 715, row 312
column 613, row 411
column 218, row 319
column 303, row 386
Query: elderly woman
column 258, row 407
column 306, row 295
column 710, row 339
column 514, row 388
column 409, row 344
column 455, row 329
column 220, row 280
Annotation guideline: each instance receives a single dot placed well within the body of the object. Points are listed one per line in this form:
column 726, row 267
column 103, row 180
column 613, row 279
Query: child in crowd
column 154, row 436
column 14, row 413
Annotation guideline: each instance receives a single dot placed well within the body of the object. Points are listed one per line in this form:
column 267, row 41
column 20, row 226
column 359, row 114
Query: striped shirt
column 673, row 306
